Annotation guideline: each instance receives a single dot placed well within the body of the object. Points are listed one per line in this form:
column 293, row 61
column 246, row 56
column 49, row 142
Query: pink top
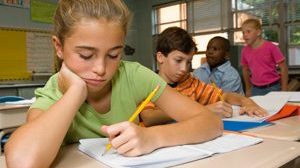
column 262, row 62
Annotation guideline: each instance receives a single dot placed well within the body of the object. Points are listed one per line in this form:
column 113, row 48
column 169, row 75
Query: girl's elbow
column 15, row 159
column 18, row 158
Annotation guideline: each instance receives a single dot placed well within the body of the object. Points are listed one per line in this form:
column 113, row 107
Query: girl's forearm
column 198, row 129
column 36, row 143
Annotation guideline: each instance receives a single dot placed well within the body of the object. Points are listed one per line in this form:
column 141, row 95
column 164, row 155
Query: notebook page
column 169, row 156
column 294, row 96
column 163, row 157
column 272, row 104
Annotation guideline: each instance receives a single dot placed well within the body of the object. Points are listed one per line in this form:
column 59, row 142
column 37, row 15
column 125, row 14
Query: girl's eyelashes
column 85, row 56
column 113, row 56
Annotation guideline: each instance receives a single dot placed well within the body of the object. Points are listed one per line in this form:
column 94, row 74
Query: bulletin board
column 24, row 52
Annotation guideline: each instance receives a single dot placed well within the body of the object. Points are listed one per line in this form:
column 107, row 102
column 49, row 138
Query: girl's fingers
column 127, row 148
column 120, row 135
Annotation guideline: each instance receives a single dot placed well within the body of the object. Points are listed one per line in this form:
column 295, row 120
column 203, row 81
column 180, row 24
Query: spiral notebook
column 169, row 156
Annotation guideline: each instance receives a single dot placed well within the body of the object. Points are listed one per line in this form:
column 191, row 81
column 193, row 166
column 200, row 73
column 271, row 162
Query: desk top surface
column 283, row 129
column 269, row 154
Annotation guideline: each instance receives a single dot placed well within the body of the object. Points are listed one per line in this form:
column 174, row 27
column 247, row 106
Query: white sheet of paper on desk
column 293, row 96
column 169, row 156
column 273, row 104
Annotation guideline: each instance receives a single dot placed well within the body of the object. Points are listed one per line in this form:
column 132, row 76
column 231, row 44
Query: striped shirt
column 196, row 90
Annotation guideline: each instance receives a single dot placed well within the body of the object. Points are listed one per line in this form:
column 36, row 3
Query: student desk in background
column 283, row 129
column 11, row 116
column 268, row 154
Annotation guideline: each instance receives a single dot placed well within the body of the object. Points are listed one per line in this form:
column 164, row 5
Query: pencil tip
column 104, row 152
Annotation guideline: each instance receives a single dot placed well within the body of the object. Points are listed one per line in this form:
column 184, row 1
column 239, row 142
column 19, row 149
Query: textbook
column 168, row 156
column 272, row 104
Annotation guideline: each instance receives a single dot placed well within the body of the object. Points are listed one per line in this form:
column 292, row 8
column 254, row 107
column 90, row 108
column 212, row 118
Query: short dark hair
column 225, row 41
column 175, row 38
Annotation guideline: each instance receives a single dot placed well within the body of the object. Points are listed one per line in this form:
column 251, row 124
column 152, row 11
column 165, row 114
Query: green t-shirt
column 131, row 84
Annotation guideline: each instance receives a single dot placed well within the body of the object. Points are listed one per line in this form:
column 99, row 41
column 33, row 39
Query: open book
column 273, row 104
column 169, row 156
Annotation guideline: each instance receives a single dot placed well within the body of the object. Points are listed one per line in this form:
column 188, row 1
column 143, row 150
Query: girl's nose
column 100, row 67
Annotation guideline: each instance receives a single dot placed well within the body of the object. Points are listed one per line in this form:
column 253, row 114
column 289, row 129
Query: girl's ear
column 58, row 47
column 259, row 33
column 160, row 57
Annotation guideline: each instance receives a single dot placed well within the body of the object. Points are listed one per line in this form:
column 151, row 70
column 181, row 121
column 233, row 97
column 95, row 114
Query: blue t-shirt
column 131, row 84
column 225, row 76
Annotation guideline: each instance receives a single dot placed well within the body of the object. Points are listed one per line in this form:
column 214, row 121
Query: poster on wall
column 16, row 3
column 42, row 10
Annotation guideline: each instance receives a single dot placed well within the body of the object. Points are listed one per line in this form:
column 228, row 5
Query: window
column 168, row 16
column 280, row 21
column 205, row 19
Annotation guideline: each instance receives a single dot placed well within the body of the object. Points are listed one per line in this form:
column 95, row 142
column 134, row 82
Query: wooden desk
column 283, row 129
column 268, row 154
column 11, row 116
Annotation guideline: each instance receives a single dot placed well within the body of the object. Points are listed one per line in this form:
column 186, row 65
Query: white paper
column 272, row 104
column 293, row 96
column 165, row 157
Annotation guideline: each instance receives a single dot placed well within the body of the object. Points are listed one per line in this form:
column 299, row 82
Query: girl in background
column 260, row 59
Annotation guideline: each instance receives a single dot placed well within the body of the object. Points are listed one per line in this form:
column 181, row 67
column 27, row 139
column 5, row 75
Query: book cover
column 243, row 125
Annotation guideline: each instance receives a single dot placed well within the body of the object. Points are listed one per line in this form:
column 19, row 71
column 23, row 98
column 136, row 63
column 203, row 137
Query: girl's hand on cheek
column 129, row 139
column 68, row 79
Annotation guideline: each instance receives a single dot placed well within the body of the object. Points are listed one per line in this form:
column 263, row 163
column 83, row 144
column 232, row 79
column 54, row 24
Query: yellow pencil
column 136, row 113
column 219, row 93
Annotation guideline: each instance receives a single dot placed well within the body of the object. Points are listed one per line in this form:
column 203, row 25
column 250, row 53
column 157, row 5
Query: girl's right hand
column 129, row 139
column 68, row 79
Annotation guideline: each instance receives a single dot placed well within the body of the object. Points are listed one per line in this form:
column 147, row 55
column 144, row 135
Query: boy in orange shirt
column 174, row 53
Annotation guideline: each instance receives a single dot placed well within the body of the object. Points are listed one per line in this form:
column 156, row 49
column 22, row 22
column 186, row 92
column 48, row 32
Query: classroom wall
column 139, row 36
column 19, row 18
